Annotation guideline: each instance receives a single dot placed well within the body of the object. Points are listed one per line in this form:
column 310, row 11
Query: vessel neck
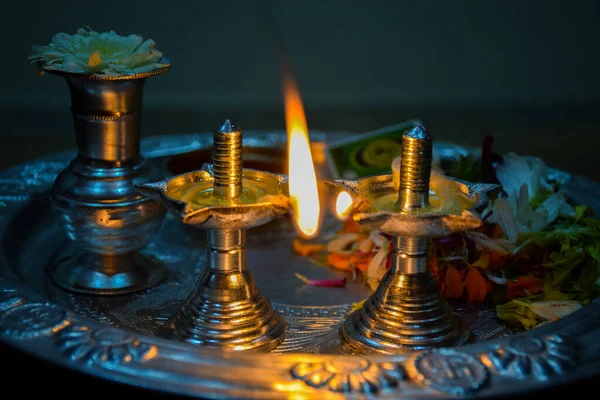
column 106, row 117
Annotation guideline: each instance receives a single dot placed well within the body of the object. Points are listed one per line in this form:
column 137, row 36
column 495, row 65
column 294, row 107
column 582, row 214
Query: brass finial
column 227, row 161
column 415, row 169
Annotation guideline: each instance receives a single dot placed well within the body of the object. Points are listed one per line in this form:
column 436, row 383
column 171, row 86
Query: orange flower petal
column 497, row 232
column 361, row 261
column 476, row 286
column 523, row 283
column 350, row 226
column 306, row 249
column 496, row 260
column 339, row 261
column 453, row 284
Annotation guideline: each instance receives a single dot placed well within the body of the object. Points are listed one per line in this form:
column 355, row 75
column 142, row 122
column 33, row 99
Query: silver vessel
column 100, row 211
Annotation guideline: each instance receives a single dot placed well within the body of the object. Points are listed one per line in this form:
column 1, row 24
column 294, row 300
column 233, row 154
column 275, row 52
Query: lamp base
column 94, row 274
column 228, row 312
column 406, row 313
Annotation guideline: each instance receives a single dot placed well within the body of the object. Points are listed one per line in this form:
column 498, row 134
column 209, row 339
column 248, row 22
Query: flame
column 304, row 193
column 342, row 204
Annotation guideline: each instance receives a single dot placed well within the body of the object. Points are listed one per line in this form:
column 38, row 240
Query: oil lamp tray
column 115, row 337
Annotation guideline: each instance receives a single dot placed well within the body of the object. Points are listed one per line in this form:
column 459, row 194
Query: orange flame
column 304, row 193
column 342, row 204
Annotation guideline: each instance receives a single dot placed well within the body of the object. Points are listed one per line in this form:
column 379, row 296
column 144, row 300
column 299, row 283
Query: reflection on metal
column 27, row 321
column 112, row 337
column 533, row 358
column 448, row 370
column 226, row 310
column 407, row 311
column 102, row 346
column 350, row 376
column 99, row 208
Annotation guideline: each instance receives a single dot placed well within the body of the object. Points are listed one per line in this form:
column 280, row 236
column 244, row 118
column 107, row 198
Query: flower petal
column 323, row 282
column 376, row 268
column 342, row 242
column 554, row 309
column 106, row 53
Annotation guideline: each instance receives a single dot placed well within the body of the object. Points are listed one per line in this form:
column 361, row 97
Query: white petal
column 552, row 206
column 554, row 309
column 512, row 174
column 396, row 164
column 567, row 210
column 517, row 171
column 342, row 242
column 365, row 246
column 378, row 238
column 484, row 242
column 503, row 215
column 537, row 221
column 496, row 279
column 376, row 268
column 124, row 55
column 523, row 206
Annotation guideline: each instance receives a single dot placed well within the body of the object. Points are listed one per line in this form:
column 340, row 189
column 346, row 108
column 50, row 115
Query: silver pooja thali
column 115, row 337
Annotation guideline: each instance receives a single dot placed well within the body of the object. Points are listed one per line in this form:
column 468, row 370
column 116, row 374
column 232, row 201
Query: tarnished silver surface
column 114, row 337
column 100, row 210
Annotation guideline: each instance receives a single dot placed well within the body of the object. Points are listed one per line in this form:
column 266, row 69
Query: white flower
column 522, row 179
column 103, row 54
column 519, row 217
column 517, row 171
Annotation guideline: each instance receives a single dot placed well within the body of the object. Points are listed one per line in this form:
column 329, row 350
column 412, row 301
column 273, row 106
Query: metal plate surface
column 115, row 337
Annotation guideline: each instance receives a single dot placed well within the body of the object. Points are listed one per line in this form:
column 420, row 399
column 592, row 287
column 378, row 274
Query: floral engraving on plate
column 482, row 321
column 350, row 375
column 448, row 371
column 88, row 308
column 531, row 357
column 32, row 320
column 28, row 179
column 41, row 173
column 310, row 329
column 8, row 296
column 103, row 345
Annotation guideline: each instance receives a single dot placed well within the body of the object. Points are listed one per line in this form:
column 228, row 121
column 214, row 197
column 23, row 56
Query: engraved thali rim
column 579, row 327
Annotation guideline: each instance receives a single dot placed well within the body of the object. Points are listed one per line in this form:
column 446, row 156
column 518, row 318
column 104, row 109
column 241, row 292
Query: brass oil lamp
column 407, row 311
column 226, row 310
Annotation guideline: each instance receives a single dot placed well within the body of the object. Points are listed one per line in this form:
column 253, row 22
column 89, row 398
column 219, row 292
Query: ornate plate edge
column 563, row 351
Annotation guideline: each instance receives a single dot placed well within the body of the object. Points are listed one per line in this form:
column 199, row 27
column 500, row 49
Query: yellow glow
column 342, row 204
column 293, row 390
column 304, row 193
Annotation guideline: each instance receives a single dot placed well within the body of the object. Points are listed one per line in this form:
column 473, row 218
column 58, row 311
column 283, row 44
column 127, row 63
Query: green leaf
column 594, row 252
column 563, row 234
column 568, row 258
column 517, row 312
column 584, row 287
column 552, row 293
column 580, row 212
column 319, row 260
column 541, row 196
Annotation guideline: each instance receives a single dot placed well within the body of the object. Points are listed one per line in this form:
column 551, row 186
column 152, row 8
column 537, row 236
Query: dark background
column 524, row 71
